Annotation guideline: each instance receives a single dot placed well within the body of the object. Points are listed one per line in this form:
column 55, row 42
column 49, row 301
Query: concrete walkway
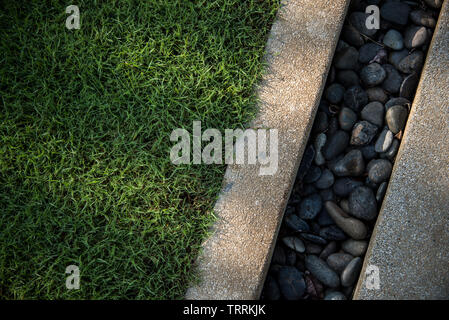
column 301, row 45
column 410, row 245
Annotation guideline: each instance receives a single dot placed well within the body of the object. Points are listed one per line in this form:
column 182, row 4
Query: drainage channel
column 351, row 150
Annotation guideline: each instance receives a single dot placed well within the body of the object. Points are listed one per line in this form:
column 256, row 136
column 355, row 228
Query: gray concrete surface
column 410, row 245
column 299, row 50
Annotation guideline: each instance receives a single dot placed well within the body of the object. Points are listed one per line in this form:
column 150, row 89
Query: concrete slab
column 299, row 50
column 410, row 245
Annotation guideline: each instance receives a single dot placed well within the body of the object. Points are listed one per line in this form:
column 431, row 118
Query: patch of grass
column 85, row 121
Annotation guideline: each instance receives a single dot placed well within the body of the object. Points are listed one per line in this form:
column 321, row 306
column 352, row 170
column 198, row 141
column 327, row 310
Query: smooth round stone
column 327, row 194
column 373, row 74
column 344, row 186
column 398, row 101
column 352, row 36
column 313, row 238
column 324, row 218
column 362, row 133
column 381, row 192
column 395, row 57
column 355, row 98
column 346, row 118
column 376, row 94
column 396, row 118
column 347, row 58
column 354, row 247
column 362, row 203
column 335, row 144
column 393, row 39
column 408, row 86
column 412, row 63
column 351, row 273
column 368, row 51
column 374, row 113
column 294, row 243
column 306, row 162
column 354, row 228
column 358, row 20
column 348, row 78
column 310, row 207
column 319, row 143
column 326, row 180
column 328, row 250
column 393, row 81
column 380, row 170
column 344, row 205
column 312, row 175
column 436, row 4
column 321, row 122
column 393, row 150
column 296, row 223
column 335, row 295
column 291, row 283
column 368, row 152
column 278, row 255
column 341, row 45
column 415, row 36
column 423, row 18
column 320, row 270
column 339, row 261
column 290, row 258
column 396, row 12
column 332, row 233
column 334, row 93
column 313, row 248
column 271, row 289
column 352, row 164
column 384, row 141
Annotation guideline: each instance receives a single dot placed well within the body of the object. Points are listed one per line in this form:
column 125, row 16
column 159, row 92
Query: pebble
column 400, row 101
column 351, row 272
column 374, row 113
column 310, row 206
column 326, row 180
column 362, row 203
column 271, row 289
column 291, row 283
column 423, row 18
column 373, row 74
column 396, row 12
column 321, row 271
column 352, row 164
column 412, row 63
column 344, row 205
column 335, row 145
column 339, row 261
column 334, row 93
column 321, row 122
column 296, row 223
column 394, row 79
column 347, row 58
column 313, row 174
column 324, row 218
column 362, row 133
column 354, row 228
column 320, row 141
column 396, row 117
column 314, row 238
column 332, row 233
column 395, row 57
column 393, row 39
column 354, row 247
column 408, row 86
column 358, row 20
column 376, row 94
column 335, row 295
column 313, row 248
column 348, row 78
column 352, row 36
column 379, row 170
column 384, row 141
column 393, row 150
column 381, row 192
column 346, row 118
column 344, row 186
column 294, row 243
column 328, row 250
column 415, row 36
column 368, row 51
column 290, row 258
column 355, row 98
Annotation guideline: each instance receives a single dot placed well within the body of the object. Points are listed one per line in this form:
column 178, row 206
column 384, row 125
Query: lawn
column 85, row 123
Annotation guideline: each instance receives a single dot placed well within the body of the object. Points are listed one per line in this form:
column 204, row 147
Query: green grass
column 85, row 121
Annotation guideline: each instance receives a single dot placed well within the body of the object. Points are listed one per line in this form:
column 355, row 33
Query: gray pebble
column 326, row 180
column 351, row 273
column 381, row 192
column 335, row 144
column 393, row 81
column 352, row 164
column 356, row 229
column 312, row 175
column 321, row 271
column 408, row 86
column 335, row 295
column 291, row 283
column 296, row 223
column 415, row 36
column 354, row 247
column 412, row 63
column 373, row 74
column 313, row 238
column 376, row 94
column 328, row 250
column 332, row 233
column 347, row 58
column 374, row 113
column 379, row 170
column 384, row 141
column 396, row 12
column 393, row 39
column 320, row 141
column 344, row 186
column 339, row 261
column 368, row 51
column 362, row 133
column 423, row 18
column 362, row 203
column 355, row 98
column 346, row 118
column 395, row 57
column 396, row 117
column 392, row 151
column 398, row 101
column 334, row 93
column 310, row 206
column 294, row 243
